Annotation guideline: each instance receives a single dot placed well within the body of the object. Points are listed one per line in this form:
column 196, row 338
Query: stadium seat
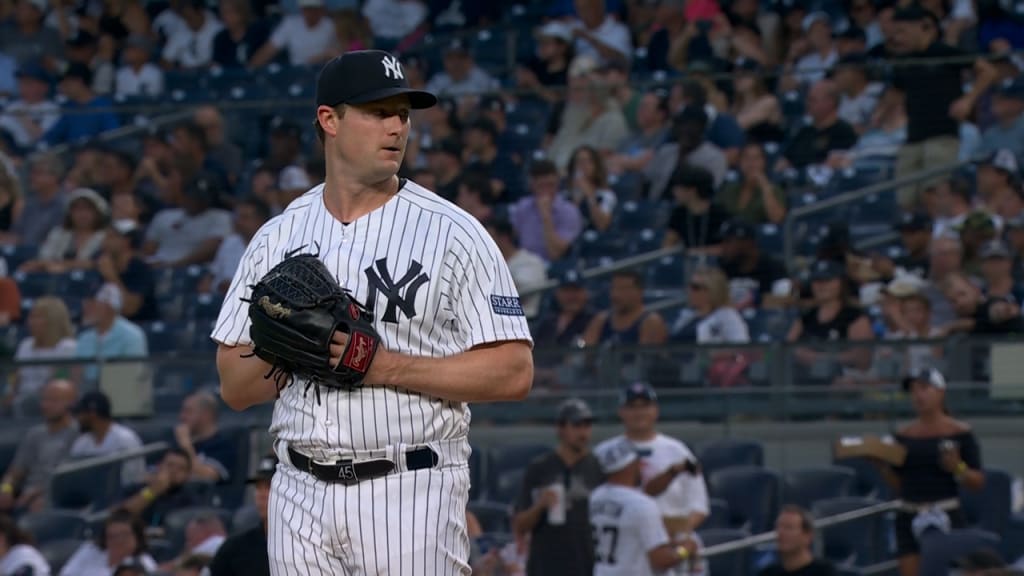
column 939, row 551
column 34, row 285
column 637, row 215
column 506, row 468
column 175, row 522
column 86, row 489
column 737, row 562
column 666, row 272
column 989, row 509
column 752, row 493
column 646, row 240
column 868, row 481
column 162, row 550
column 15, row 256
column 50, row 525
column 164, row 338
column 730, row 452
column 857, row 542
column 807, row 486
column 80, row 284
column 58, row 552
column 203, row 307
column 718, row 516
column 493, row 516
column 245, row 518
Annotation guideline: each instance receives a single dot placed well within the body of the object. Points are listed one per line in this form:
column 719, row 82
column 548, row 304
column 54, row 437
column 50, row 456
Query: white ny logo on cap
column 392, row 68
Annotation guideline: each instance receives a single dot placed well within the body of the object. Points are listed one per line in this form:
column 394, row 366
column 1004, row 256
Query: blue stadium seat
column 990, row 508
column 161, row 549
column 506, row 468
column 165, row 338
column 232, row 494
column 646, row 240
column 80, row 284
column 490, row 50
column 637, row 215
column 50, row 525
column 17, row 255
column 868, row 481
column 87, row 489
column 493, row 516
column 806, row 486
column 737, row 562
column 752, row 493
column 718, row 516
column 35, row 284
column 593, row 245
column 203, row 307
column 666, row 272
column 729, row 452
column 201, row 342
column 769, row 238
column 58, row 552
column 857, row 542
column 939, row 551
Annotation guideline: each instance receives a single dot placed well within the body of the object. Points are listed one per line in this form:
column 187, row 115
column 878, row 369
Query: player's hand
column 377, row 366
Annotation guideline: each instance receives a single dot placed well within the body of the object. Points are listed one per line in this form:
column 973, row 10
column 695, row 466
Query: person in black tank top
column 943, row 455
column 626, row 322
column 831, row 319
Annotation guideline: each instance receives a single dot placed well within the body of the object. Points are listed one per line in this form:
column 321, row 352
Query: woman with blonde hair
column 51, row 337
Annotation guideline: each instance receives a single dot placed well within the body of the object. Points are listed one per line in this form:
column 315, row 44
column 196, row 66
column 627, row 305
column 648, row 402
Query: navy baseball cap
column 364, row 76
column 574, row 411
column 95, row 402
column 638, row 391
column 825, row 270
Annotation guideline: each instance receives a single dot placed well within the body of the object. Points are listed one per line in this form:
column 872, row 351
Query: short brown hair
column 320, row 135
column 543, row 167
column 806, row 520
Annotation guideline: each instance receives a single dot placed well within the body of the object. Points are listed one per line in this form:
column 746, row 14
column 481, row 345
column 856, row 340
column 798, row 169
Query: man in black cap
column 245, row 553
column 101, row 436
column 750, row 271
column 858, row 95
column 28, row 117
column 461, row 75
column 451, row 329
column 552, row 504
column 88, row 115
column 481, row 140
column 915, row 230
column 444, row 159
column 566, row 326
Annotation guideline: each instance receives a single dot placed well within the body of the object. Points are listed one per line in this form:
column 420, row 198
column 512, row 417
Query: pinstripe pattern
column 408, row 523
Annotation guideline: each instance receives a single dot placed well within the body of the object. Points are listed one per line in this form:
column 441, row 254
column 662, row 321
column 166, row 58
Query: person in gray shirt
column 25, row 482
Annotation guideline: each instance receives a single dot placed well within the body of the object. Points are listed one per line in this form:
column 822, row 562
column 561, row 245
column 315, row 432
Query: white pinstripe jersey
column 436, row 285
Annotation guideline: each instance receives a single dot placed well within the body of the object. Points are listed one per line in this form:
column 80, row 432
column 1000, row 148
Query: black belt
column 349, row 472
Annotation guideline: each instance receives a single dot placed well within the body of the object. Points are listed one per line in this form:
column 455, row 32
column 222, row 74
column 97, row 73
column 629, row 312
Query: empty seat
column 58, row 552
column 162, row 550
column 86, row 489
column 493, row 516
column 737, row 562
column 989, row 509
column 939, row 551
column 858, row 542
column 752, row 493
column 807, row 486
column 868, row 481
column 507, row 465
column 50, row 525
column 718, row 514
column 637, row 215
column 730, row 452
column 8, row 448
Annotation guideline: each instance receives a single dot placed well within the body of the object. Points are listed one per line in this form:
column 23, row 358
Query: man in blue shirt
column 111, row 336
column 86, row 115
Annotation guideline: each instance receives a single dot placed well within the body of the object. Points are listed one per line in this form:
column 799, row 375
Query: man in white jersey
column 629, row 536
column 668, row 467
column 376, row 480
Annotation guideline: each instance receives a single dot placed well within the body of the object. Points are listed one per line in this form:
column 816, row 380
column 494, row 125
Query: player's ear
column 327, row 118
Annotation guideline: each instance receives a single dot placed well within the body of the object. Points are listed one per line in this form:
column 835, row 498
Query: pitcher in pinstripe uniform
column 376, row 481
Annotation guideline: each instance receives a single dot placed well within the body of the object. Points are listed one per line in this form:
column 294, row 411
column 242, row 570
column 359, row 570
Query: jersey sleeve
column 648, row 526
column 232, row 326
column 485, row 301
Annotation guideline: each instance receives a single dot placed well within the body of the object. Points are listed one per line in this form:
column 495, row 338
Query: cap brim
column 418, row 99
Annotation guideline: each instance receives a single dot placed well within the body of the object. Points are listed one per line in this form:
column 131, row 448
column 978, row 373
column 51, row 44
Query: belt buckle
column 347, row 472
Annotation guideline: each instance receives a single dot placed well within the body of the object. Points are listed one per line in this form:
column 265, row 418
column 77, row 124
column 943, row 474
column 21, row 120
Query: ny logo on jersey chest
column 401, row 294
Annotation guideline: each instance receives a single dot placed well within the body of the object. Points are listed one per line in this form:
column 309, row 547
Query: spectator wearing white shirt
column 17, row 555
column 101, row 436
column 858, row 94
column 393, row 20
column 50, row 337
column 461, row 75
column 250, row 215
column 137, row 76
column 669, row 471
column 192, row 46
column 599, row 34
column 121, row 541
column 33, row 113
column 307, row 37
column 815, row 53
column 191, row 232
column 709, row 317
column 528, row 269
column 588, row 188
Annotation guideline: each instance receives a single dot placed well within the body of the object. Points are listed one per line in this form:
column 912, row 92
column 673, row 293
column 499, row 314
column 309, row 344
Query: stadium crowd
column 142, row 144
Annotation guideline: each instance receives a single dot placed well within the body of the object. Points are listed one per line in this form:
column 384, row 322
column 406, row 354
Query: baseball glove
column 294, row 311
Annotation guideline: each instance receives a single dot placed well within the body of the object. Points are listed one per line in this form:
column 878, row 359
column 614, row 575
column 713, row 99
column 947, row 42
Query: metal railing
column 79, row 464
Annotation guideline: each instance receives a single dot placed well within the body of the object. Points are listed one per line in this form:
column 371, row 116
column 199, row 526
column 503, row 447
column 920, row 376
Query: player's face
column 372, row 138
column 639, row 416
column 790, row 536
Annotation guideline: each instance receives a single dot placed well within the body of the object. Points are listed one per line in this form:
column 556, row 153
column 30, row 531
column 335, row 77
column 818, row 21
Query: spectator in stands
column 756, row 109
column 591, row 116
column 953, row 203
column 461, row 75
column 307, row 37
column 101, row 436
column 588, row 189
column 26, row 481
column 11, row 203
column 627, row 322
column 474, row 196
column 599, row 34
column 978, row 313
column 881, row 138
column 558, row 548
column 8, row 80
column 652, row 116
column 756, row 278
column 26, row 39
column 44, row 203
column 209, row 449
column 395, row 20
column 753, row 198
column 78, row 241
column 284, row 145
column 115, row 176
column 241, row 37
column 120, row 265
column 794, row 534
column 998, row 184
column 1014, row 236
column 688, row 148
column 219, row 150
column 546, row 222
column 192, row 565
column 245, row 553
column 18, row 556
column 709, row 317
column 188, row 142
column 250, row 215
column 51, row 336
column 548, row 68
column 137, row 76
column 943, row 458
column 204, row 535
column 932, row 94
column 997, row 273
column 815, row 53
column 669, row 472
column 978, row 229
column 831, row 318
column 165, row 490
column 121, row 540
column 909, row 311
column 28, row 117
column 191, row 46
column 445, row 162
column 528, row 270
column 1008, row 130
column 945, row 260
column 191, row 231
column 95, row 53
column 696, row 221
column 110, row 335
column 88, row 115
column 858, row 94
column 481, row 154
column 825, row 133
column 722, row 129
column 915, row 230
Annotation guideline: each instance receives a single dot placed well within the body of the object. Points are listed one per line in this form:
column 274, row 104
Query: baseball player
column 373, row 478
column 629, row 536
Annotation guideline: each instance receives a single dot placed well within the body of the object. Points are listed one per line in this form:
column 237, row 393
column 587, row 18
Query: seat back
column 506, row 468
column 730, row 452
column 493, row 516
column 868, row 481
column 806, row 486
column 718, row 514
column 989, row 509
column 93, row 488
column 58, row 552
column 859, row 542
column 752, row 493
column 50, row 525
column 736, row 562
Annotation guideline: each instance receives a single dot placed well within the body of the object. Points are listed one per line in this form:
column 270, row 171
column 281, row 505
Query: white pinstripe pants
column 403, row 524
